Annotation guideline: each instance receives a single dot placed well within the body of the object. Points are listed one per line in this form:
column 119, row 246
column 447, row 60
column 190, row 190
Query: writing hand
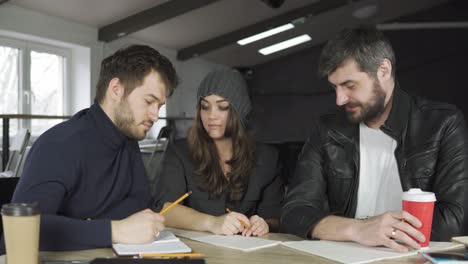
column 258, row 227
column 229, row 224
column 140, row 228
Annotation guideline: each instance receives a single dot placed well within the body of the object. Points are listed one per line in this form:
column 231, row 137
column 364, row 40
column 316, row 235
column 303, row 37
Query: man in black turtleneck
column 86, row 173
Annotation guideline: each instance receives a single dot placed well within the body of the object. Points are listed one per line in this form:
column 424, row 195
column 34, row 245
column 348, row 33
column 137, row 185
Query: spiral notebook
column 167, row 242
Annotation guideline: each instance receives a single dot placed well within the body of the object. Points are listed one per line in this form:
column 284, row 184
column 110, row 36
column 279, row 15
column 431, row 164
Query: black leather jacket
column 432, row 154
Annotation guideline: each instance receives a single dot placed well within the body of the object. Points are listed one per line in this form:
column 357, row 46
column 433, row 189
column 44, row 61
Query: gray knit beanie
column 229, row 84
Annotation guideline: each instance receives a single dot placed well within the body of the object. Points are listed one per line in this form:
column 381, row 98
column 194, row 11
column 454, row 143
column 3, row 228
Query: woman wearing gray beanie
column 233, row 179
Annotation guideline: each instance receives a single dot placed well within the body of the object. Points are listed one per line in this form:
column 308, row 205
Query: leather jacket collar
column 396, row 123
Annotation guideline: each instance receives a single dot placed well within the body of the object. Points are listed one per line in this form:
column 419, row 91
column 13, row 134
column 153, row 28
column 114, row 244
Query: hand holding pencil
column 246, row 226
column 258, row 227
column 230, row 224
column 139, row 228
column 165, row 209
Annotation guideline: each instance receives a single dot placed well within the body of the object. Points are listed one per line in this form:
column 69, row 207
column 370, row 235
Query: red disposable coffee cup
column 421, row 205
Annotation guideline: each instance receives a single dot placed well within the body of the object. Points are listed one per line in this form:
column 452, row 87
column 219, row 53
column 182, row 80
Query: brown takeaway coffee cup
column 21, row 232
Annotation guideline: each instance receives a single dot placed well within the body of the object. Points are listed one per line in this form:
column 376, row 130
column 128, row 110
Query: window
column 9, row 84
column 33, row 81
column 154, row 132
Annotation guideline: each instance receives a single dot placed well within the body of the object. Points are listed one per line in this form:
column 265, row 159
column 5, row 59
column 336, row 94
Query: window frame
column 25, row 47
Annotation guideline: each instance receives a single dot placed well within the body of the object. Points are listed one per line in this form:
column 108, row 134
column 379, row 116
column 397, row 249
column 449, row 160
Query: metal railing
column 6, row 128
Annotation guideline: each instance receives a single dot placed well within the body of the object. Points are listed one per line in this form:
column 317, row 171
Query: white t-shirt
column 379, row 181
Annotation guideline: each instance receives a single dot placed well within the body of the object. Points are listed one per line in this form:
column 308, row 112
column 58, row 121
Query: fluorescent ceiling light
column 265, row 34
column 285, row 44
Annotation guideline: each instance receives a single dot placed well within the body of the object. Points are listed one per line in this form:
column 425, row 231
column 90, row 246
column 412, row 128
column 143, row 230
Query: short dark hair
column 131, row 65
column 367, row 46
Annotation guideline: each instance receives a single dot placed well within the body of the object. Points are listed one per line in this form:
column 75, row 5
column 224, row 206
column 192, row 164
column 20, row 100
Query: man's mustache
column 352, row 105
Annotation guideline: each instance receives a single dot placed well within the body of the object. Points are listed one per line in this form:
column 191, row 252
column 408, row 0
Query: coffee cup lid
column 20, row 209
column 417, row 195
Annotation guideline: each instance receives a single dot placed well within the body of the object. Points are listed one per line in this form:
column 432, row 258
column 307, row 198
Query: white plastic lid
column 417, row 195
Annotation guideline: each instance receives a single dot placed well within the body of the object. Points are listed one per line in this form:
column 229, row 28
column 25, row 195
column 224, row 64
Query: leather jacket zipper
column 352, row 195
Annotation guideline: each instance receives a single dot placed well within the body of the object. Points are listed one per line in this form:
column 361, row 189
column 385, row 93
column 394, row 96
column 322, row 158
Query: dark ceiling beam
column 3, row 1
column 232, row 37
column 148, row 18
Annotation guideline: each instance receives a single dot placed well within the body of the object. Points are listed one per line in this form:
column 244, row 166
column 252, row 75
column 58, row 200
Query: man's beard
column 124, row 121
column 370, row 110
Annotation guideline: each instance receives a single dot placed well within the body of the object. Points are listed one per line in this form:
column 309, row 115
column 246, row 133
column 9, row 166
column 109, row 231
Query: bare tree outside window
column 9, row 85
column 47, row 86
column 32, row 82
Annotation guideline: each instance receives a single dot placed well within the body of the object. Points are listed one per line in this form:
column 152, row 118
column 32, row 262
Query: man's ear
column 384, row 73
column 115, row 90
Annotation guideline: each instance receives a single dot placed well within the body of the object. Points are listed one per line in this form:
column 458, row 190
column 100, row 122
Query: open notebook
column 167, row 242
column 235, row 242
column 350, row 252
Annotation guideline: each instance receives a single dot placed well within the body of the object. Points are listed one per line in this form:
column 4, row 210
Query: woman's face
column 214, row 112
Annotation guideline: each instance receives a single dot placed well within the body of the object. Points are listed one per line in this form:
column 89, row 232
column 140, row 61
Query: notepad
column 167, row 242
column 235, row 242
column 350, row 252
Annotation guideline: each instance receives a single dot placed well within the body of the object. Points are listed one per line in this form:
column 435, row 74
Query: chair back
column 7, row 188
column 17, row 151
column 153, row 165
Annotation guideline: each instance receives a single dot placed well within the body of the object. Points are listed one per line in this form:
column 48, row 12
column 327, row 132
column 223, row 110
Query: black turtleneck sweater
column 83, row 173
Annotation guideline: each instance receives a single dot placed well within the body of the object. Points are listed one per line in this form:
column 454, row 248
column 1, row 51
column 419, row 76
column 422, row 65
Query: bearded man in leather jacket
column 357, row 162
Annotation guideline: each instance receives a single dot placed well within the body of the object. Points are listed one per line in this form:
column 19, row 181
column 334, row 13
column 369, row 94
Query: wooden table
column 220, row 255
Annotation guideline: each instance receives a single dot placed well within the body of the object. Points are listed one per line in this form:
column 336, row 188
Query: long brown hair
column 207, row 160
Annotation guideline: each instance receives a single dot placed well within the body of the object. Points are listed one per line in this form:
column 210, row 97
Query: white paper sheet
column 350, row 252
column 238, row 242
column 235, row 242
column 461, row 239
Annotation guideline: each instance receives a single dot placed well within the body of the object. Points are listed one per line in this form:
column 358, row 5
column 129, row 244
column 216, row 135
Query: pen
column 175, row 202
column 173, row 255
column 242, row 222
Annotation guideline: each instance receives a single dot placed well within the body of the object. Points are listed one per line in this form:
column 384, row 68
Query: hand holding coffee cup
column 421, row 205
column 21, row 232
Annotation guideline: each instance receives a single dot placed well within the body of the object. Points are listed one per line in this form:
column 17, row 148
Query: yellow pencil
column 174, row 203
column 172, row 255
column 242, row 222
